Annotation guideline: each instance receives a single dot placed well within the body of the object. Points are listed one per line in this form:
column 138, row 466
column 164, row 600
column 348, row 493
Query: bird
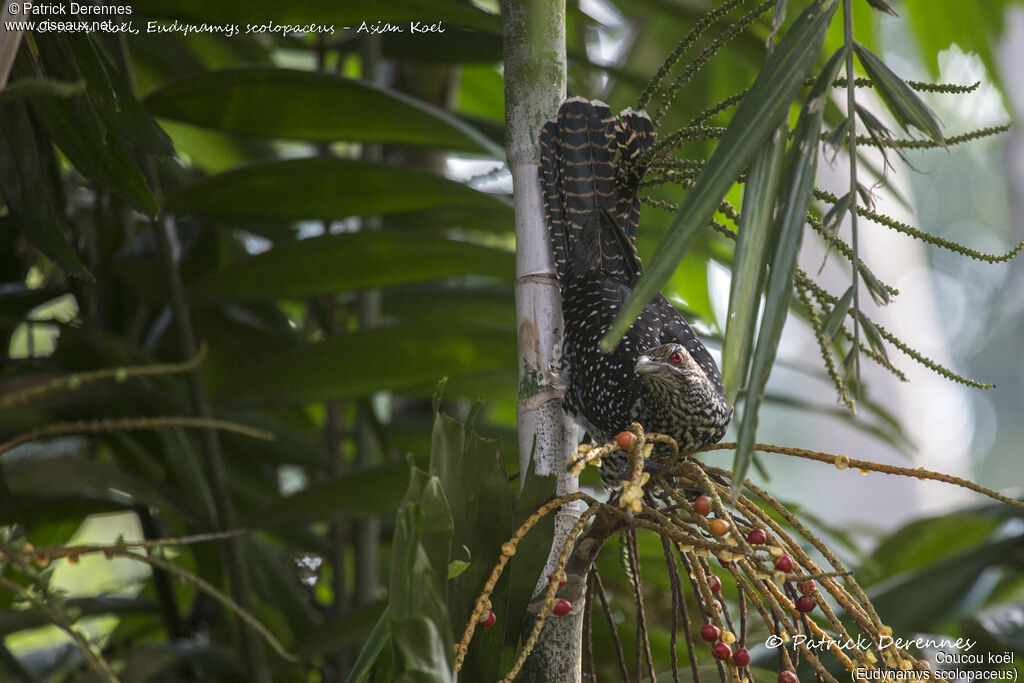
column 660, row 374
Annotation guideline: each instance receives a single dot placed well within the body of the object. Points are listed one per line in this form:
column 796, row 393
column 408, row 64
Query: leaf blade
column 755, row 118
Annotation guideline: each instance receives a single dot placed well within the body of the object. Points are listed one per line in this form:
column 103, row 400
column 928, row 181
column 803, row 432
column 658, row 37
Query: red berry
column 562, row 607
column 721, row 651
column 624, row 440
column 709, row 632
column 702, row 506
column 784, row 564
column 788, row 677
column 489, row 620
column 551, row 579
column 806, row 587
column 757, row 537
column 805, row 603
column 716, row 584
column 741, row 657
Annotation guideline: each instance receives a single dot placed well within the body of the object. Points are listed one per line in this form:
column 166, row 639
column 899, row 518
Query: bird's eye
column 676, row 358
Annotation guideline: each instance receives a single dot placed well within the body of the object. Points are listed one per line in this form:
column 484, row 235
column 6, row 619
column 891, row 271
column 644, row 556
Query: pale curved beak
column 646, row 365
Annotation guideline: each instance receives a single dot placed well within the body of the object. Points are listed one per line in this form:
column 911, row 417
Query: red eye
column 676, row 358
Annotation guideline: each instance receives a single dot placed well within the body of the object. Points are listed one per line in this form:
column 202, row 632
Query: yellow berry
column 841, row 462
column 508, row 549
column 728, row 637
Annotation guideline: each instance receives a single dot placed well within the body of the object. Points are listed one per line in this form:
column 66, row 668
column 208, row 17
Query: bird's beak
column 646, row 365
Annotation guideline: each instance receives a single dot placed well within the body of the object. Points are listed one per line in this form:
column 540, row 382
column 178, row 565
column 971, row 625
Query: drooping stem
column 851, row 112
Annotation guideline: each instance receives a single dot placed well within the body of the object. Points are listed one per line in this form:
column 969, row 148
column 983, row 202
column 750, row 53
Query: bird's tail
column 591, row 165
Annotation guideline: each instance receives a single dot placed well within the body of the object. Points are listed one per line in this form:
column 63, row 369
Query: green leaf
column 472, row 474
column 310, row 267
column 40, row 87
column 64, row 477
column 873, row 336
column 917, row 600
column 319, row 107
column 420, row 623
column 114, row 100
column 367, row 493
column 323, row 189
column 750, row 260
column 102, row 159
column 375, row 360
column 374, row 645
column 902, row 101
column 879, row 293
column 830, row 223
column 756, row 117
column 835, row 318
column 801, row 165
column 25, row 182
column 456, row 567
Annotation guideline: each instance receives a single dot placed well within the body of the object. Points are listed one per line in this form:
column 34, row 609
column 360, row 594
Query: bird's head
column 668, row 364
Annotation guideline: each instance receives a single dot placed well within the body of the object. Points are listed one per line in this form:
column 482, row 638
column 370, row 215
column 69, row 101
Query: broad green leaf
column 428, row 492
column 323, row 189
column 750, row 261
column 472, row 473
column 67, row 477
column 25, row 183
column 420, row 624
column 304, row 105
column 491, row 306
column 40, row 87
column 977, row 32
column 14, row 620
column 114, row 100
column 101, row 159
column 923, row 542
column 366, row 493
column 374, row 645
column 801, row 165
column 902, row 101
column 375, row 360
column 756, row 117
column 916, row 600
column 335, row 263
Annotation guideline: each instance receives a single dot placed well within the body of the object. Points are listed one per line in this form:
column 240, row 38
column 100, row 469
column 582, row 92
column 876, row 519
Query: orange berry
column 719, row 527
column 624, row 440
